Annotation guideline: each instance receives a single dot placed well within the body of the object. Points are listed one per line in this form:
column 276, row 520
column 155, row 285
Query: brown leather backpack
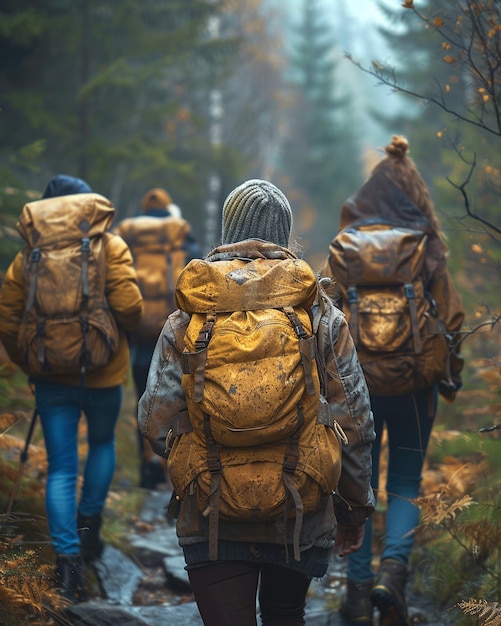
column 379, row 271
column 67, row 327
column 156, row 244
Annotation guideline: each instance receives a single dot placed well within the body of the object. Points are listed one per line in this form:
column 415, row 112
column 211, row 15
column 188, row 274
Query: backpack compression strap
column 85, row 357
column 214, row 466
column 410, row 294
column 353, row 306
column 30, row 302
column 289, row 465
column 194, row 362
column 307, row 348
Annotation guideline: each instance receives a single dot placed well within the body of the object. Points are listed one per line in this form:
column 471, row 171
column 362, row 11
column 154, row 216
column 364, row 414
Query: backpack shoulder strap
column 194, row 362
column 307, row 348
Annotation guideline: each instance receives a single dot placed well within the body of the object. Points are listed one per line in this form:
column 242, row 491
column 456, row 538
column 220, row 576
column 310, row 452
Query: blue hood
column 63, row 185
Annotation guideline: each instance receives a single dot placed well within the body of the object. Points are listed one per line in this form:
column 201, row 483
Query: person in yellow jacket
column 61, row 398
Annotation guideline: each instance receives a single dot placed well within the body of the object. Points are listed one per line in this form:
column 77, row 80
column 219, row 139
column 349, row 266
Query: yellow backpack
column 262, row 445
column 156, row 244
column 67, row 327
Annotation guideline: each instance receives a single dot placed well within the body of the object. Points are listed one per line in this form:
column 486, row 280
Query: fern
column 437, row 508
column 489, row 613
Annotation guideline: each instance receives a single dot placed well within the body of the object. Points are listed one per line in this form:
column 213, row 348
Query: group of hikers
column 264, row 385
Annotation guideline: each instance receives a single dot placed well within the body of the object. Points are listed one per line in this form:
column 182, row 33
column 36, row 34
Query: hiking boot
column 388, row 593
column 356, row 606
column 69, row 578
column 91, row 544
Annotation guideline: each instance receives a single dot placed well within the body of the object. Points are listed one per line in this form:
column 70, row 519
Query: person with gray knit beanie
column 256, row 209
column 221, row 363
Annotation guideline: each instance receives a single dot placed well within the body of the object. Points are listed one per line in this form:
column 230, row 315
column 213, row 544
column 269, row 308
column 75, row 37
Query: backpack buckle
column 352, row 295
column 205, row 333
column 410, row 294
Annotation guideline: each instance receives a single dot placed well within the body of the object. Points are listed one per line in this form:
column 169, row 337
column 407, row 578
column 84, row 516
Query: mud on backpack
column 257, row 449
column 156, row 244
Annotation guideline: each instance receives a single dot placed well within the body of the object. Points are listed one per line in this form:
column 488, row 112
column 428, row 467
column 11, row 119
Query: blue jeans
column 60, row 407
column 409, row 424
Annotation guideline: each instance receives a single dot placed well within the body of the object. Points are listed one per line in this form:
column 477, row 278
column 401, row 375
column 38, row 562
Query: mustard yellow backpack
column 67, row 327
column 263, row 444
column 156, row 244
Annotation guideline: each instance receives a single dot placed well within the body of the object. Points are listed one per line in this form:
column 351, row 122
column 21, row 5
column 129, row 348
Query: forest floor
column 140, row 579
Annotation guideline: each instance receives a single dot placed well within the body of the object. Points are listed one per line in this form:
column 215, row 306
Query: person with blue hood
column 74, row 515
column 63, row 185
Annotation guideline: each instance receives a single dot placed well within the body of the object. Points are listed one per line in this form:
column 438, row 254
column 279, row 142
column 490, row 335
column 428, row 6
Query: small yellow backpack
column 156, row 244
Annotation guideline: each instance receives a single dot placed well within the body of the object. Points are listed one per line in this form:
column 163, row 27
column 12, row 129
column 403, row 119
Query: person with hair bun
column 395, row 196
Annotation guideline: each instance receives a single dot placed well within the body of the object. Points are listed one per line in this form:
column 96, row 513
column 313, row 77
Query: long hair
column 402, row 170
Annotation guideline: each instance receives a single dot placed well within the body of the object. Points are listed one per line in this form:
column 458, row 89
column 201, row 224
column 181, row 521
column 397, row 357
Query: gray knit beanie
column 256, row 210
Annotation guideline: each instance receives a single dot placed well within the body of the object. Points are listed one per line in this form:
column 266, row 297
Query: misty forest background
column 197, row 96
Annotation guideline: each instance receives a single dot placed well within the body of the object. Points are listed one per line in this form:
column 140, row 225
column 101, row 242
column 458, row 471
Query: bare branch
column 380, row 72
column 488, row 429
column 465, row 334
column 462, row 189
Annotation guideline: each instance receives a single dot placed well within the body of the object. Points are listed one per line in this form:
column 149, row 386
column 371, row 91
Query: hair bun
column 398, row 147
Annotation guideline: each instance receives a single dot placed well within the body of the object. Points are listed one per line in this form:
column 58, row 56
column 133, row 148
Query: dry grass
column 27, row 592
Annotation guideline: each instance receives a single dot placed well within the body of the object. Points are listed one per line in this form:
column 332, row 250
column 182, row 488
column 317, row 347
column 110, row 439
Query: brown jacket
column 347, row 394
column 124, row 299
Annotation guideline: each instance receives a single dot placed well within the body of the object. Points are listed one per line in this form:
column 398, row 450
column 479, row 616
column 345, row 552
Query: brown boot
column 388, row 593
column 356, row 607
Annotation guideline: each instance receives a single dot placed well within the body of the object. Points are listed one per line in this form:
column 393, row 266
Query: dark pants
column 153, row 467
column 226, row 594
column 140, row 371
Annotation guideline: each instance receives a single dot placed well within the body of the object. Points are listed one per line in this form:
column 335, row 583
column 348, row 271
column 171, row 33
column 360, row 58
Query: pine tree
column 320, row 153
column 418, row 57
column 115, row 92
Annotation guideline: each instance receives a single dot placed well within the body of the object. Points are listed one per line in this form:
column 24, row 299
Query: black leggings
column 225, row 593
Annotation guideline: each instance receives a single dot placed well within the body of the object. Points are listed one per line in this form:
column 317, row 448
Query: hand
column 348, row 539
column 448, row 389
